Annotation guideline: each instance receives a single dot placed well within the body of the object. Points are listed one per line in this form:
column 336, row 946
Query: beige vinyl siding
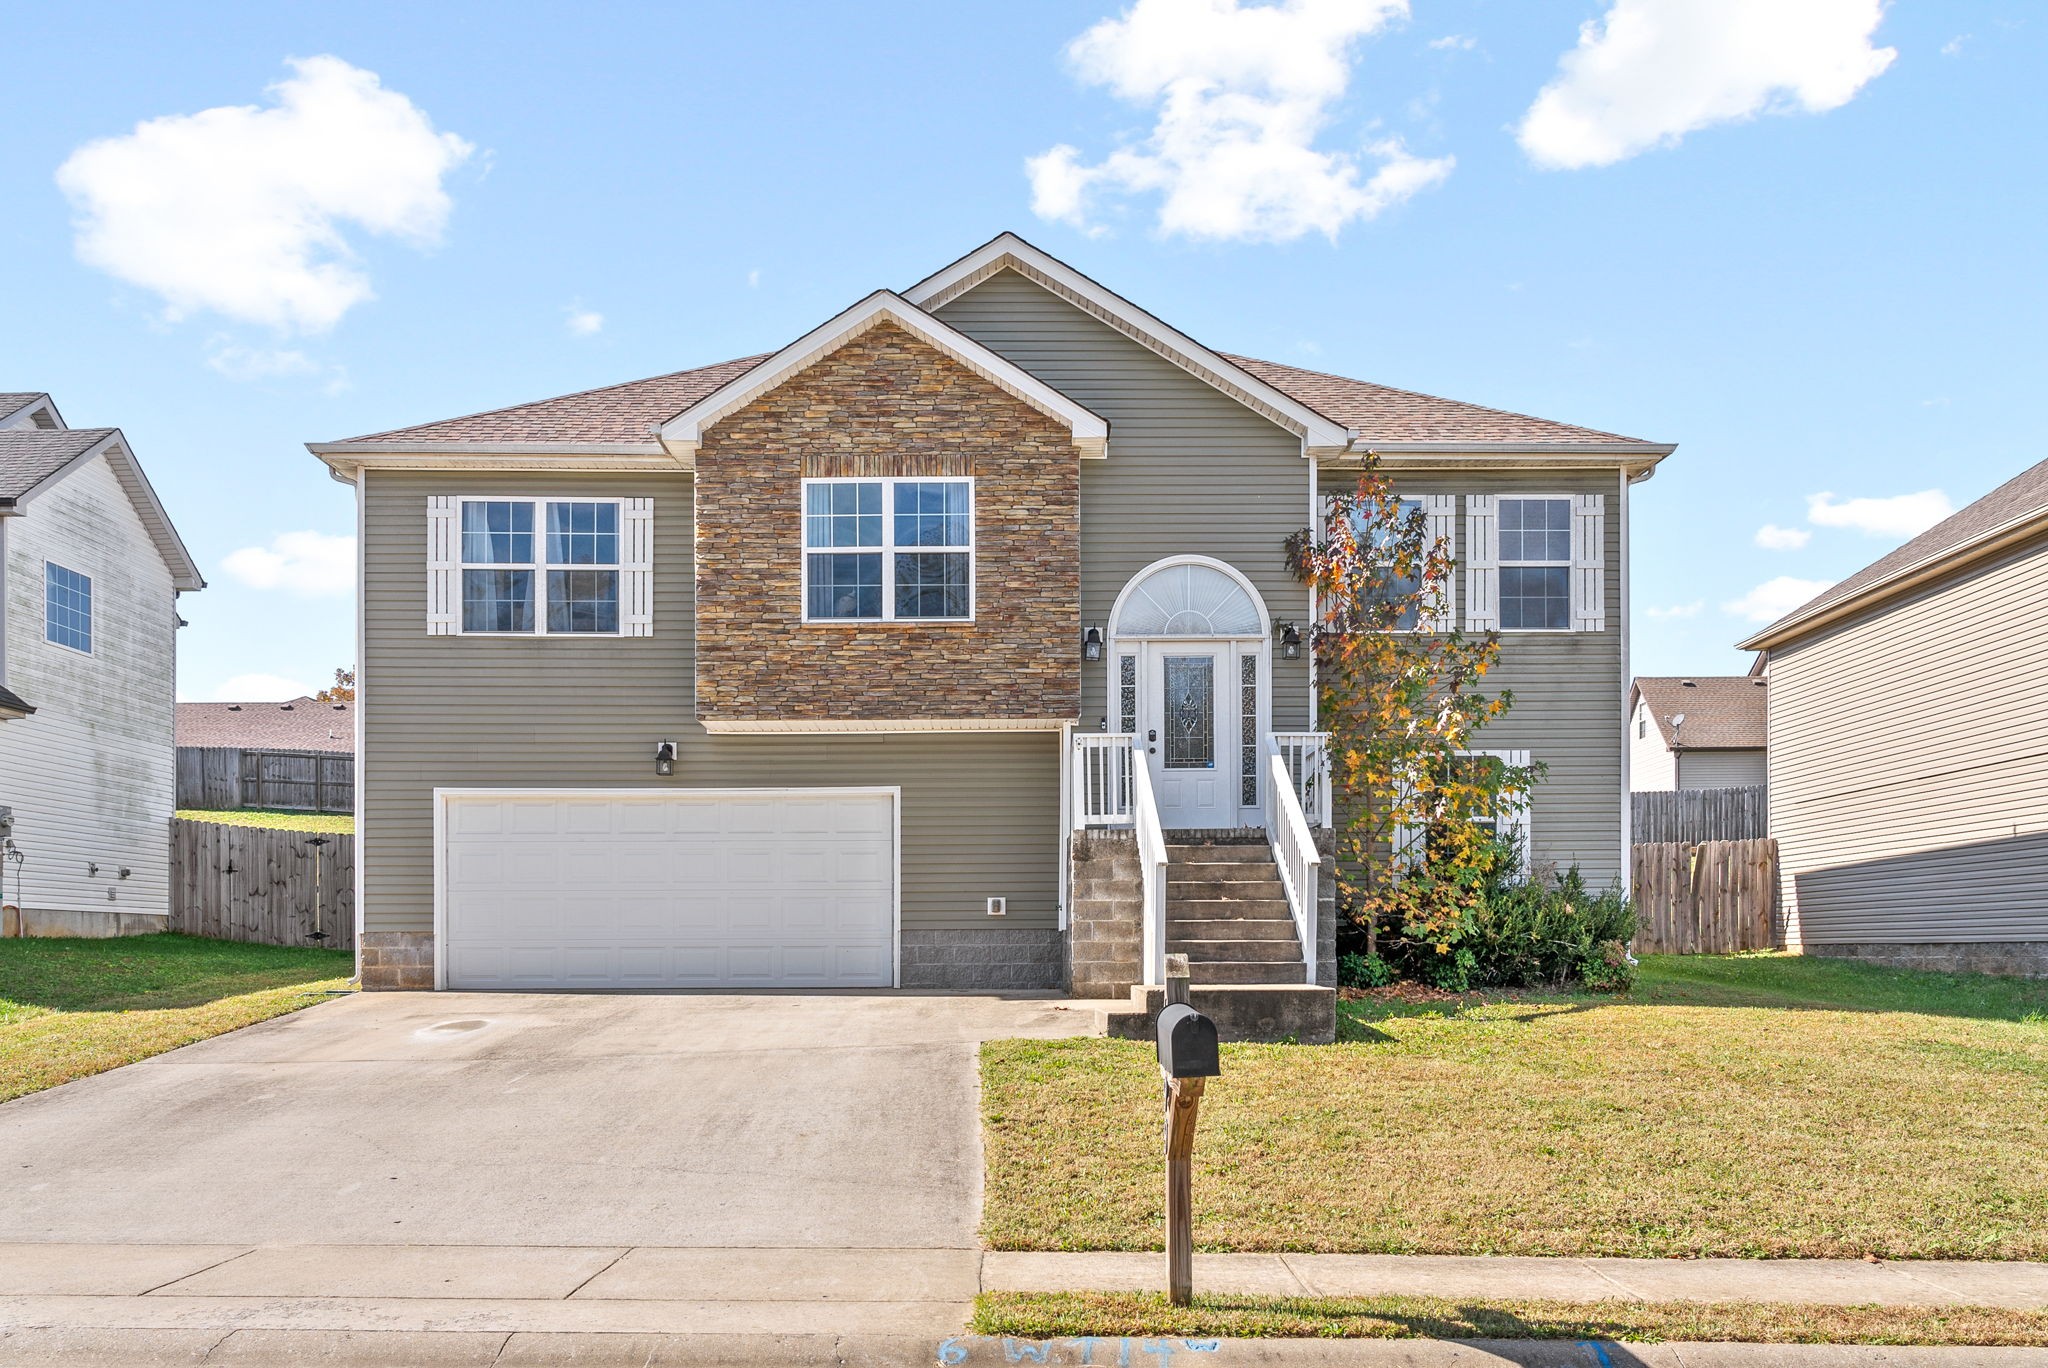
column 1721, row 769
column 1189, row 471
column 1570, row 687
column 1909, row 765
column 1651, row 768
column 980, row 811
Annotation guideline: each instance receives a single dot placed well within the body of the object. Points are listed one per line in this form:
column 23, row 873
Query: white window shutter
column 1589, row 563
column 444, row 565
column 1442, row 512
column 636, row 568
column 1482, row 562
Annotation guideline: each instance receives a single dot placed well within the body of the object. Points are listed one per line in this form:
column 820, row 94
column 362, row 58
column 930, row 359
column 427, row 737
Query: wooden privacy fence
column 265, row 885
column 223, row 777
column 1704, row 898
column 1714, row 814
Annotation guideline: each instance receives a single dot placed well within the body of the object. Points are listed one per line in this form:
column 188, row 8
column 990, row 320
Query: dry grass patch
column 333, row 823
column 70, row 1008
column 1065, row 1315
column 1744, row 1106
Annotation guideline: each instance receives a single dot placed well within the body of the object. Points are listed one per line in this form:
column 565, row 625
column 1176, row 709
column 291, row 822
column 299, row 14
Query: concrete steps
column 1226, row 910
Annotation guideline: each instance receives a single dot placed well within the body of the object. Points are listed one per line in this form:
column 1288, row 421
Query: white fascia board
column 1635, row 453
column 1010, row 252
column 856, row 726
column 8, row 417
column 345, row 459
column 185, row 575
column 684, row 433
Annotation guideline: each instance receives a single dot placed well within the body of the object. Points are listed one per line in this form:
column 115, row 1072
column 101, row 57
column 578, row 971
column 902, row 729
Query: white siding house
column 1708, row 731
column 90, row 570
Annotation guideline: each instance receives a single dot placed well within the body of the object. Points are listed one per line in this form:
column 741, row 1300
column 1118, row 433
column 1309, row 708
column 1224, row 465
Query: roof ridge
column 558, row 398
column 1433, row 398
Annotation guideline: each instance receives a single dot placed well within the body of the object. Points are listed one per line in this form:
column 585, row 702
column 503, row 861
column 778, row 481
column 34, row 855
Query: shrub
column 1363, row 971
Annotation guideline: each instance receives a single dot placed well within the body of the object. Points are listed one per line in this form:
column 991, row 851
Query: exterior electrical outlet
column 998, row 907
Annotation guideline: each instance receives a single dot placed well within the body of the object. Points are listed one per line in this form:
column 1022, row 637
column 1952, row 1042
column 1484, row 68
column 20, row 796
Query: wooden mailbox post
column 1187, row 1060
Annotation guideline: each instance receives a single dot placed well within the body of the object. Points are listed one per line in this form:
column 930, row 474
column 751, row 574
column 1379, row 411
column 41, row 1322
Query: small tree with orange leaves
column 1400, row 701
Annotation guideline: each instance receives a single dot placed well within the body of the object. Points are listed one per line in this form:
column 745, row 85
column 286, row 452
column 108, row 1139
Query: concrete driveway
column 472, row 1119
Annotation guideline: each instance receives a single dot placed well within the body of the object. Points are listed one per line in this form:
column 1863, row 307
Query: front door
column 1187, row 732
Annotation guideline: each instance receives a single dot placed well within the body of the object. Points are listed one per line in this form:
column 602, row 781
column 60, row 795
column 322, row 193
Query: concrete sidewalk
column 1830, row 1282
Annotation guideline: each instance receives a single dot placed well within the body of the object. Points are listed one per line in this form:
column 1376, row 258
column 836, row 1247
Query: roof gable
column 33, row 461
column 683, row 433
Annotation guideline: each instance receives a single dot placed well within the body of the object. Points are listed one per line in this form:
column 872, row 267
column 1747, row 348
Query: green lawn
column 344, row 823
column 1764, row 1105
column 69, row 1008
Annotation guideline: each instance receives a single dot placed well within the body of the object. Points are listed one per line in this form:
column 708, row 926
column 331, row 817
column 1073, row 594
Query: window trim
column 91, row 617
column 888, row 551
column 1568, row 564
column 539, row 565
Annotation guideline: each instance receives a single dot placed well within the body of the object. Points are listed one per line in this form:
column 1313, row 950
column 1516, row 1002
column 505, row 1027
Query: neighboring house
column 297, row 724
column 1704, row 732
column 776, row 671
column 90, row 571
column 1909, row 747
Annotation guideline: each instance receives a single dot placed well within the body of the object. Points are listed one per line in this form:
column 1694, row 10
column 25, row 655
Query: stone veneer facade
column 886, row 404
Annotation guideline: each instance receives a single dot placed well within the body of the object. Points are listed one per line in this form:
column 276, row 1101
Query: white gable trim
column 184, row 570
column 1012, row 253
column 684, row 433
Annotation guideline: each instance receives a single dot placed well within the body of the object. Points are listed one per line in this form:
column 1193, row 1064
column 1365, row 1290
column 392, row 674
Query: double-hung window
column 1393, row 587
column 1535, row 564
column 67, row 607
column 898, row 550
column 540, row 566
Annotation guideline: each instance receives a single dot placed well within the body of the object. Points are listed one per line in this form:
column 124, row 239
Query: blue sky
column 1839, row 290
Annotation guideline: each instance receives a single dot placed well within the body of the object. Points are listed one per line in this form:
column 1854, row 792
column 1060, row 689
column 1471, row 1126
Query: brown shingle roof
column 298, row 724
column 28, row 456
column 615, row 413
column 629, row 412
column 2023, row 495
column 1383, row 414
column 1722, row 712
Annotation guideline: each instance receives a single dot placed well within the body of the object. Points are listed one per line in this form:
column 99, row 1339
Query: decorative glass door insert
column 1189, row 733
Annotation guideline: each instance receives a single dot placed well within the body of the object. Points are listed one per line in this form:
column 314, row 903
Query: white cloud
column 1678, row 610
column 238, row 362
column 241, row 210
column 754, row 278
column 1651, row 71
column 1454, row 42
column 1901, row 515
column 260, row 688
column 584, row 322
column 1241, row 93
column 1954, row 46
column 1774, row 598
column 1772, row 537
column 310, row 563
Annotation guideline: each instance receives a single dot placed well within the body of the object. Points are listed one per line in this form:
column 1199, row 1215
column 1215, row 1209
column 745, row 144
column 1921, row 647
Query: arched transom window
column 1188, row 601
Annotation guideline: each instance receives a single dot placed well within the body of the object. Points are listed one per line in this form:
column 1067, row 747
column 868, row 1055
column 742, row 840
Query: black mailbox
column 1187, row 1043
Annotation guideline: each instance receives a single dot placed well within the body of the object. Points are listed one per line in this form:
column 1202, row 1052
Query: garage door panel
column 616, row 891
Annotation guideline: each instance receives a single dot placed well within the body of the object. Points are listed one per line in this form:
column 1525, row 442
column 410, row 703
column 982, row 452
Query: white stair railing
column 1151, row 866
column 1294, row 851
column 1307, row 758
column 1102, row 770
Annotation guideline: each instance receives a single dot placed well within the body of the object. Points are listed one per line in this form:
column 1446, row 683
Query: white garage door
column 668, row 890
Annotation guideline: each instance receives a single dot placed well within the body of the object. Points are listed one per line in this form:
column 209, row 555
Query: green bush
column 1363, row 971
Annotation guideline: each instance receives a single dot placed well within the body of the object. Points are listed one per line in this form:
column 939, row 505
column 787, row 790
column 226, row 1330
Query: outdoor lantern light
column 1091, row 644
column 1290, row 641
column 665, row 758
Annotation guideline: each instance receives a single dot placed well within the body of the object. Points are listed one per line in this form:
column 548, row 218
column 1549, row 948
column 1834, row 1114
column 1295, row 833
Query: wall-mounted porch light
column 665, row 758
column 1091, row 644
column 1290, row 641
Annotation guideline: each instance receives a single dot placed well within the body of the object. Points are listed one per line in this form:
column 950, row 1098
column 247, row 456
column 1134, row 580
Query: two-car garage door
column 668, row 889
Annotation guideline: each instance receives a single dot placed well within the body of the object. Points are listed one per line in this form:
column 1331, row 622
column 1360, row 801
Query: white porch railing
column 1151, row 866
column 1103, row 765
column 1294, row 851
column 1306, row 756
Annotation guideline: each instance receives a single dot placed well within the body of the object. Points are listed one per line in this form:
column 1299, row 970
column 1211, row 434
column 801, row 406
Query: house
column 804, row 669
column 90, row 571
column 297, row 724
column 1909, row 747
column 1704, row 732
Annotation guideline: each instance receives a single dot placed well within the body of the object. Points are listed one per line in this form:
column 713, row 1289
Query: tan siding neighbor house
column 1909, row 747
column 834, row 666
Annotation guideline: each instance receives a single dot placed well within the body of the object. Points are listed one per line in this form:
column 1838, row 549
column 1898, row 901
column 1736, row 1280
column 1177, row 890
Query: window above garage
column 894, row 550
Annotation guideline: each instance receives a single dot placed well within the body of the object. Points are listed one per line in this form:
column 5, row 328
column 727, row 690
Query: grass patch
column 69, row 1008
column 1757, row 1105
column 1068, row 1315
column 341, row 823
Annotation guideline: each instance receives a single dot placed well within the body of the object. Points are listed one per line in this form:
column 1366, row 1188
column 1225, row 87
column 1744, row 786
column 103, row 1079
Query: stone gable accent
column 886, row 404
